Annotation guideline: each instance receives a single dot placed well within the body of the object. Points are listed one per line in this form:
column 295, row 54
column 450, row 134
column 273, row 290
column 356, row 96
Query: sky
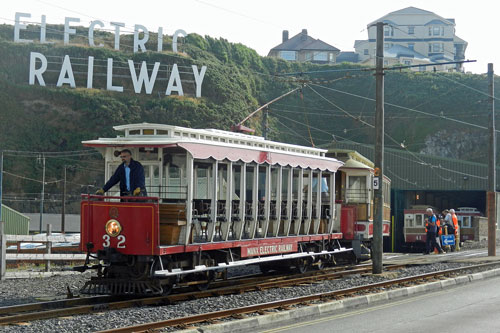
column 258, row 24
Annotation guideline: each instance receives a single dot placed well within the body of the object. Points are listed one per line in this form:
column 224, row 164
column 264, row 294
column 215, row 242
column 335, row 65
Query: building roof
column 414, row 171
column 414, row 11
column 302, row 41
column 397, row 51
column 349, row 56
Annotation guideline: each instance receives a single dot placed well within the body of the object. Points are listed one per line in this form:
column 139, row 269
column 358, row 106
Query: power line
column 31, row 179
column 403, row 107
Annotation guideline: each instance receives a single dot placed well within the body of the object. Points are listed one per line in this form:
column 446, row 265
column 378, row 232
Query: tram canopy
column 202, row 151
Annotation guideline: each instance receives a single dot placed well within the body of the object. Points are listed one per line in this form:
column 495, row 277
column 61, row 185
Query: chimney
column 285, row 36
column 304, row 34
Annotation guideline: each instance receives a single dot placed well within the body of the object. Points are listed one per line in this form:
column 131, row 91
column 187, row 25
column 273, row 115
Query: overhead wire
column 416, row 158
column 404, row 107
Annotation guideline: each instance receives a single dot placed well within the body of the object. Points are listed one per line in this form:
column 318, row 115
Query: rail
column 286, row 303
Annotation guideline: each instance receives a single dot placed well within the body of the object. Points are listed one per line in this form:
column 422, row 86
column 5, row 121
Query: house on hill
column 414, row 36
column 303, row 47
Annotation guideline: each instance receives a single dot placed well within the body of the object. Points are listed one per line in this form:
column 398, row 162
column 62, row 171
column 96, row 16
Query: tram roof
column 224, row 143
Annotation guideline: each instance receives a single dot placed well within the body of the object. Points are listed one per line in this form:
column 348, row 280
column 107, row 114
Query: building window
column 411, row 46
column 288, row 55
column 387, row 45
column 320, row 56
column 331, row 58
column 388, row 30
column 411, row 30
column 365, row 52
column 407, row 62
column 436, row 31
column 436, row 47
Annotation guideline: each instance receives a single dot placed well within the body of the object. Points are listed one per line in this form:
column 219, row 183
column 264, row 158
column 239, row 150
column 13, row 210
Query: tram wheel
column 167, row 287
column 319, row 263
column 302, row 265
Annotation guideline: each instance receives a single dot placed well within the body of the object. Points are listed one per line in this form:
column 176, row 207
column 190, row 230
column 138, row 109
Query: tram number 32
column 120, row 244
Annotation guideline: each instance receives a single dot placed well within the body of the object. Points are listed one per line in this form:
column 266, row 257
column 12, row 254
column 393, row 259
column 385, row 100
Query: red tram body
column 216, row 200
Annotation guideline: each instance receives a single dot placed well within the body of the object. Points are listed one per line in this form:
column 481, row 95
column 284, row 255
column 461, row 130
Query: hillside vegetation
column 55, row 119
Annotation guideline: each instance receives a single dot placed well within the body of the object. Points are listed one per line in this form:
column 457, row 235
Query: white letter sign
column 37, row 72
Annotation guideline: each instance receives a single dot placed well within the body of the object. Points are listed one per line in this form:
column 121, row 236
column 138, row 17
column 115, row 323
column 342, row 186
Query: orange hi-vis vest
column 455, row 222
column 438, row 224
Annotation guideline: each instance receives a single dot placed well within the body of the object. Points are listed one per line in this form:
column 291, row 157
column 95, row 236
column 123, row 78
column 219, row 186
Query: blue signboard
column 448, row 239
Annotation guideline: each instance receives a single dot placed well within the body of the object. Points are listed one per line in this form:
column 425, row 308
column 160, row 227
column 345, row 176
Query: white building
column 414, row 36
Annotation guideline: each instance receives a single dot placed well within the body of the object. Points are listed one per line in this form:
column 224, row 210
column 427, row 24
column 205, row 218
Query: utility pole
column 377, row 246
column 491, row 199
column 1, row 183
column 264, row 123
column 43, row 192
column 63, row 203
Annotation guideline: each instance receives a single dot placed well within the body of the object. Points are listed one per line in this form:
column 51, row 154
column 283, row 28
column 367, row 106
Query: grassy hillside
column 237, row 81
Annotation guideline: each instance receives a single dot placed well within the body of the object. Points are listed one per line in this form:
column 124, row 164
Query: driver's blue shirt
column 127, row 176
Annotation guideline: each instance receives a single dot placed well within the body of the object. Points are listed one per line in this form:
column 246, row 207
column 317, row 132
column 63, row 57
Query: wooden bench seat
column 172, row 219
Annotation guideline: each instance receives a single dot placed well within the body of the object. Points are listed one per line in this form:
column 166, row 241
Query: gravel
column 29, row 290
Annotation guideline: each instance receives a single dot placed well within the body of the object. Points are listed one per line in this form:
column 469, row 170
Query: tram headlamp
column 113, row 228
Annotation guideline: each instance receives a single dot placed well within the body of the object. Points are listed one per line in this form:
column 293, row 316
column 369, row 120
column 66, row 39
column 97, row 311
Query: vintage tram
column 467, row 220
column 354, row 194
column 414, row 225
column 216, row 200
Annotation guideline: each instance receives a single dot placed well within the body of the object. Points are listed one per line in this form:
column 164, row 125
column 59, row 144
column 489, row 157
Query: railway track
column 78, row 306
column 287, row 303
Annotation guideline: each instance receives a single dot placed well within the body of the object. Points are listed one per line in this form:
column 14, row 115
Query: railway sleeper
column 99, row 286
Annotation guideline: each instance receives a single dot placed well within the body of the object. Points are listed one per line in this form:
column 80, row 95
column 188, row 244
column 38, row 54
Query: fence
column 44, row 254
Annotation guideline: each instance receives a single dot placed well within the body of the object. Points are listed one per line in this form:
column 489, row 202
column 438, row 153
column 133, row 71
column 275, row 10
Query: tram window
column 177, row 133
column 222, row 186
column 356, row 190
column 466, row 221
column 148, row 154
column 409, row 221
column 419, row 220
column 148, row 131
column 134, row 132
column 386, row 193
column 174, row 171
column 202, row 183
column 161, row 132
column 249, row 183
column 295, row 185
column 185, row 135
column 155, row 182
column 284, row 184
column 193, row 135
column 274, row 183
column 236, row 181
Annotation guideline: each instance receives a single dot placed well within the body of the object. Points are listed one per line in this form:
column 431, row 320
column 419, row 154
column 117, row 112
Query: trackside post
column 3, row 249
